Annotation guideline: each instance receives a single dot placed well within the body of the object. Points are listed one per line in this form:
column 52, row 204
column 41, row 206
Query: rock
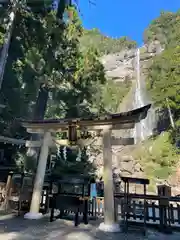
column 146, row 56
column 99, row 172
column 138, row 168
column 121, row 66
column 127, row 158
column 154, row 47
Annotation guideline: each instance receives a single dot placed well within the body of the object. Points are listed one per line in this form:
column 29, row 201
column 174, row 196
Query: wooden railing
column 158, row 209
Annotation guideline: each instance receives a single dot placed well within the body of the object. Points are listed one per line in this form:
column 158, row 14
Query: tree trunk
column 39, row 113
column 42, row 99
column 61, row 7
column 5, row 47
column 41, row 104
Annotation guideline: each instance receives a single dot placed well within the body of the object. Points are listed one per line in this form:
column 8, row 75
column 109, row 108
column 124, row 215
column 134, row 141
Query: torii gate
column 105, row 124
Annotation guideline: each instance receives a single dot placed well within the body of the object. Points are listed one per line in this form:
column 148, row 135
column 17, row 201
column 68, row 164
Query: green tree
column 163, row 81
column 105, row 44
column 70, row 165
column 76, row 99
column 46, row 59
column 60, row 66
column 3, row 15
column 113, row 94
column 31, row 96
column 165, row 28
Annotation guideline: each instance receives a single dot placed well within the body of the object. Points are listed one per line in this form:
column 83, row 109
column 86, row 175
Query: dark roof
column 124, row 116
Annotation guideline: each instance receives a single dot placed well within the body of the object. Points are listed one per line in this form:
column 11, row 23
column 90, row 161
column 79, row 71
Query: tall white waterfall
column 144, row 128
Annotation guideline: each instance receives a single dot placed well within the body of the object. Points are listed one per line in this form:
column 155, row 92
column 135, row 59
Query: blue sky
column 124, row 18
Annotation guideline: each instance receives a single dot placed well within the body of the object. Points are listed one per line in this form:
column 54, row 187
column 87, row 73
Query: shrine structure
column 104, row 125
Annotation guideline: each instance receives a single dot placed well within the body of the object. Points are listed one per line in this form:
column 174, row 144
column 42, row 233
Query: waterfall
column 144, row 128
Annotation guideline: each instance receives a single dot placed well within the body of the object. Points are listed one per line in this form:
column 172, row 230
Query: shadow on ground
column 17, row 228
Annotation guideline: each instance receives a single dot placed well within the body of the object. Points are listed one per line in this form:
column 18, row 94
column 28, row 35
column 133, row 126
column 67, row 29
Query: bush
column 158, row 156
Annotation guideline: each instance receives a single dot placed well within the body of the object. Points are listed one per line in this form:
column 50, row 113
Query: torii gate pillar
column 109, row 224
column 39, row 179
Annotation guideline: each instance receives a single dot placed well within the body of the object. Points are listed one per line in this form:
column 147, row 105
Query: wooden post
column 7, row 192
column 109, row 224
column 39, row 179
column 165, row 191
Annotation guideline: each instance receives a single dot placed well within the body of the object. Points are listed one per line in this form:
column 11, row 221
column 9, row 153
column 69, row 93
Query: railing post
column 115, row 209
column 164, row 191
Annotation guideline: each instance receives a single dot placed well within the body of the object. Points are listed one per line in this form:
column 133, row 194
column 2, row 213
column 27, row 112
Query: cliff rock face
column 121, row 66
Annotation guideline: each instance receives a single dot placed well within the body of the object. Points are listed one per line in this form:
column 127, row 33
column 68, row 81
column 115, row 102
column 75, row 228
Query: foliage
column 61, row 66
column 105, row 44
column 51, row 60
column 50, row 66
column 110, row 95
column 164, row 80
column 44, row 53
column 158, row 156
column 70, row 165
column 165, row 28
column 24, row 162
column 2, row 25
column 1, row 35
column 71, row 77
column 77, row 99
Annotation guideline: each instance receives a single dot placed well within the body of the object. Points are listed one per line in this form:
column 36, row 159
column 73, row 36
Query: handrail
column 148, row 197
column 142, row 196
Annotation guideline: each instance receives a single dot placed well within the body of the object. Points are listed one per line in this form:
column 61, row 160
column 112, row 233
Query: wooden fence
column 157, row 208
column 154, row 205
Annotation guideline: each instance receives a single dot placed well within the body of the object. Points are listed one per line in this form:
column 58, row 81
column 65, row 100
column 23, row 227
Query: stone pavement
column 20, row 229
